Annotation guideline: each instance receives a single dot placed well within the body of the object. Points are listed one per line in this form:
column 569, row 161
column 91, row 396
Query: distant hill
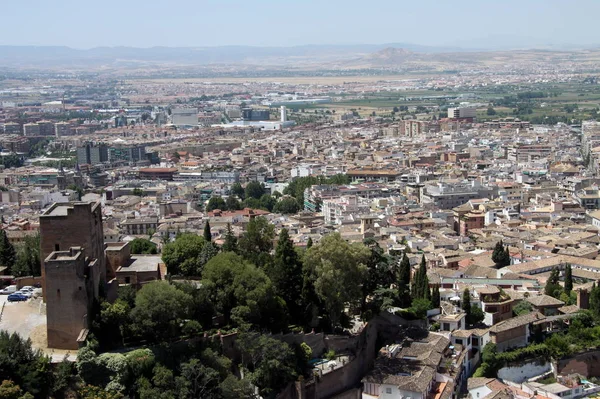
column 53, row 56
column 308, row 57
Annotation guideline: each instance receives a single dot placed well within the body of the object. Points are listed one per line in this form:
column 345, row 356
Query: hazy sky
column 467, row 23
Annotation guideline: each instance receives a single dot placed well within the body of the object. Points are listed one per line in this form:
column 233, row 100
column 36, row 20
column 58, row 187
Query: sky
column 178, row 23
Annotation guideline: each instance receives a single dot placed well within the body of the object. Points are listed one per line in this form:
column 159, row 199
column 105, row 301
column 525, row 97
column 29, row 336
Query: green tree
column 378, row 271
column 568, row 279
column 27, row 367
column 270, row 362
column 216, row 203
column 595, row 300
column 257, row 241
column 491, row 111
column 232, row 204
column 182, row 256
column 404, row 282
column 420, row 286
column 243, row 293
column 420, row 307
column 286, row 274
column 254, row 189
column 287, row 206
column 197, row 380
column 338, row 268
column 10, row 390
column 159, row 310
column 553, row 287
column 309, row 243
column 476, row 316
column 435, row 296
column 466, row 304
column 523, row 307
column 209, row 250
column 499, row 255
column 8, row 255
column 237, row 189
column 207, row 234
column 230, row 243
column 138, row 192
column 267, row 202
column 28, row 261
column 142, row 246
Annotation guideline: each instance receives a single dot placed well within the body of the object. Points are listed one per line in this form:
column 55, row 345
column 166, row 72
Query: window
column 388, row 390
column 57, row 247
column 127, row 280
column 58, row 293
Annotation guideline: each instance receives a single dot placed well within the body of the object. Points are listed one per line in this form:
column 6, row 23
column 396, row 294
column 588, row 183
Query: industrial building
column 184, row 116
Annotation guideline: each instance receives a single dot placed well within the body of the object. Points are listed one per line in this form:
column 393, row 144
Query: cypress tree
column 552, row 285
column 506, row 257
column 8, row 255
column 404, row 273
column 595, row 300
column 466, row 303
column 230, row 244
column 498, row 254
column 286, row 274
column 207, row 233
column 420, row 286
column 309, row 243
column 435, row 296
column 568, row 279
column 404, row 282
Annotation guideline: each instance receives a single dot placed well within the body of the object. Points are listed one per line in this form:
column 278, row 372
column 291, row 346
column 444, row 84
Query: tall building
column 92, row 154
column 72, row 282
column 185, row 116
column 283, row 113
column 46, row 128
column 75, row 224
column 74, row 269
column 126, row 153
column 462, row 113
column 252, row 114
column 12, row 128
column 31, row 129
column 62, row 129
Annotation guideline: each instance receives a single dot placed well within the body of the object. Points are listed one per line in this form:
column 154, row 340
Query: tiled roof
column 517, row 322
column 544, row 300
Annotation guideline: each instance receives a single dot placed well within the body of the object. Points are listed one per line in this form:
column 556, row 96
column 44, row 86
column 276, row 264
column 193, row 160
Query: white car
column 27, row 288
column 24, row 293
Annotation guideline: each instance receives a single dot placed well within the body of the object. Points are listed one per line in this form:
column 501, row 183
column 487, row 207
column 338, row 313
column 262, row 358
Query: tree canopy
column 182, row 256
column 338, row 269
column 242, row 292
column 142, row 246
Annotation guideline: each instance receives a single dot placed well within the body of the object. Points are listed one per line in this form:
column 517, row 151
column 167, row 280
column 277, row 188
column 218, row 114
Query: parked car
column 25, row 293
column 17, row 297
column 11, row 289
column 27, row 288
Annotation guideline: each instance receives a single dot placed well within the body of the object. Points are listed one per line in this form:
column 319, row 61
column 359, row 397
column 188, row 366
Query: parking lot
column 28, row 319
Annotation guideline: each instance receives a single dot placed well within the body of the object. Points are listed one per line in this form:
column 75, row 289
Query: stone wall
column 586, row 364
column 523, row 372
column 27, row 280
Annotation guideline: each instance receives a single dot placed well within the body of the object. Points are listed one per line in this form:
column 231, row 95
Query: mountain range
column 367, row 55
